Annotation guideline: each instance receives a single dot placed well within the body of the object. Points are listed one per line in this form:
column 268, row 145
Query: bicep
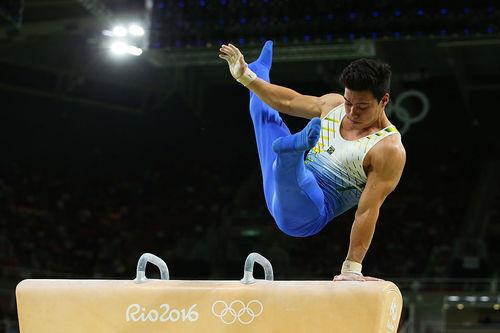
column 304, row 106
column 309, row 107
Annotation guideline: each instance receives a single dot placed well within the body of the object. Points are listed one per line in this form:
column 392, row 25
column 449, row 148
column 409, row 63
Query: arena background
column 105, row 157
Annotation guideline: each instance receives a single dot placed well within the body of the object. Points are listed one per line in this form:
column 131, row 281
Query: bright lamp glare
column 119, row 31
column 119, row 48
column 108, row 33
column 136, row 30
column 136, row 51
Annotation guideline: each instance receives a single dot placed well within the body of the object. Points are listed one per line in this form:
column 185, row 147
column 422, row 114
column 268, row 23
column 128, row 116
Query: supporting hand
column 354, row 277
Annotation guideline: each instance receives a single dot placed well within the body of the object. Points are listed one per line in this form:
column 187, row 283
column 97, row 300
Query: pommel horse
column 147, row 305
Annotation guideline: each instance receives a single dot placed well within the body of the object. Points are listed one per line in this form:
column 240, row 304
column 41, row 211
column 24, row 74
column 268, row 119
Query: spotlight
column 134, row 50
column 119, row 31
column 108, row 33
column 119, row 48
column 136, row 30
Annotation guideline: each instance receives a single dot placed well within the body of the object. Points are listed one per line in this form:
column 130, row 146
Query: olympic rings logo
column 237, row 310
column 402, row 112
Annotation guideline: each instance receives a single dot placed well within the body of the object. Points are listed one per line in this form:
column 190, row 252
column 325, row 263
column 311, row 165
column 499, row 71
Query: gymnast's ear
column 385, row 100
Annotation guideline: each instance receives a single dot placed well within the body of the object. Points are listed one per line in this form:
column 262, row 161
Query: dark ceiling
column 57, row 53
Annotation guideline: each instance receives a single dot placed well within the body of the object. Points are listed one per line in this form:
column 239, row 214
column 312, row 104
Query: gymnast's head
column 366, row 93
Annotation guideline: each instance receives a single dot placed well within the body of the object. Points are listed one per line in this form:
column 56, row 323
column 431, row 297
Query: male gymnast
column 355, row 157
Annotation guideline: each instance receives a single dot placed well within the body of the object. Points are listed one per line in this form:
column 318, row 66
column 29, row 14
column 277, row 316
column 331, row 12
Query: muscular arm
column 290, row 102
column 283, row 99
column 387, row 166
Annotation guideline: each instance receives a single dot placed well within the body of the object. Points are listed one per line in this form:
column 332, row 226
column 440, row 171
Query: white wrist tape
column 351, row 267
column 247, row 77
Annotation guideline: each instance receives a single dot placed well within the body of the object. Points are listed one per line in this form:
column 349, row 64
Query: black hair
column 367, row 74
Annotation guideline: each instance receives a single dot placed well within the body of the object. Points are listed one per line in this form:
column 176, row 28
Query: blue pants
column 292, row 194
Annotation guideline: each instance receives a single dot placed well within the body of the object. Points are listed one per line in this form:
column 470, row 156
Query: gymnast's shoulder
column 330, row 101
column 388, row 152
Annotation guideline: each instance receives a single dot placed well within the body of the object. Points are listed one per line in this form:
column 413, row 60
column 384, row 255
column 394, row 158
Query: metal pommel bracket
column 157, row 261
column 248, row 271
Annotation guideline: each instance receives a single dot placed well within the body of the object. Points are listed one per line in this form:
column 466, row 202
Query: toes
column 314, row 125
column 266, row 55
column 316, row 121
column 313, row 131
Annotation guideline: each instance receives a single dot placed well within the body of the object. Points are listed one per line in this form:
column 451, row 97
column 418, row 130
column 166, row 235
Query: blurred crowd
column 82, row 224
column 181, row 23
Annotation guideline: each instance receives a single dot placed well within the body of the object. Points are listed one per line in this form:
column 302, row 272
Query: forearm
column 277, row 97
column 362, row 232
column 286, row 100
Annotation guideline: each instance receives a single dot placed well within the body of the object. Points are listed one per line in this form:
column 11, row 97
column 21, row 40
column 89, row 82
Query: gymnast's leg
column 292, row 194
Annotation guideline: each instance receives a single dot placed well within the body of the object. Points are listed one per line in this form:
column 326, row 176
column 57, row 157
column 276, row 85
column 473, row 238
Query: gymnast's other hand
column 354, row 277
column 234, row 58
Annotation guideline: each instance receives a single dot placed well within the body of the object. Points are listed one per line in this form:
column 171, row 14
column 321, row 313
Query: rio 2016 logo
column 227, row 312
column 136, row 312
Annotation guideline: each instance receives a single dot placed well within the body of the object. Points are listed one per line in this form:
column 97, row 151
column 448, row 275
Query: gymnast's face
column 362, row 108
